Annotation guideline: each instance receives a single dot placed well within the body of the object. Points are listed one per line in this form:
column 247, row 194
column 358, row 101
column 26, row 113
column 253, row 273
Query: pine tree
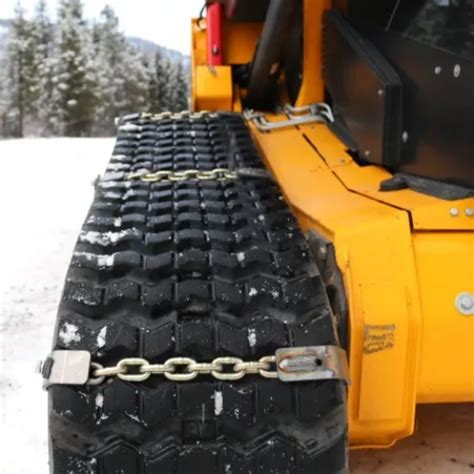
column 45, row 39
column 21, row 73
column 122, row 73
column 41, row 49
column 43, row 28
column 169, row 74
column 74, row 80
column 73, row 96
column 159, row 83
column 178, row 98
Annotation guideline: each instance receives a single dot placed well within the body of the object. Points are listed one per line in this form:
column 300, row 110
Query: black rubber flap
column 365, row 89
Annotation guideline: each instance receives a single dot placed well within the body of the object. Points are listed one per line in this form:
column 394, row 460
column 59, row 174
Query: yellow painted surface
column 401, row 282
column 445, row 266
column 375, row 253
column 198, row 42
column 239, row 41
column 427, row 212
column 213, row 88
column 312, row 86
column 198, row 55
column 211, row 92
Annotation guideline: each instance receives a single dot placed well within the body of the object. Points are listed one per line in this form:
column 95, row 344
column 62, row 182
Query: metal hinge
column 294, row 364
column 318, row 112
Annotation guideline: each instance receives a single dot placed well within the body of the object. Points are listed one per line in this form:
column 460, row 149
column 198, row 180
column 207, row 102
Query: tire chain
column 188, row 369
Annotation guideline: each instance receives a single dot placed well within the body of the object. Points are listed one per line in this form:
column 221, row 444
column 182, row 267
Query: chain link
column 157, row 176
column 176, row 115
column 183, row 369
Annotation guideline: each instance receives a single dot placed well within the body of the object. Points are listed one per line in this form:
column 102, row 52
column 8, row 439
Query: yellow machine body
column 404, row 256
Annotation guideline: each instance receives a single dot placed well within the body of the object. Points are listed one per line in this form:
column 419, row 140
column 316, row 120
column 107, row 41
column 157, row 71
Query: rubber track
column 197, row 269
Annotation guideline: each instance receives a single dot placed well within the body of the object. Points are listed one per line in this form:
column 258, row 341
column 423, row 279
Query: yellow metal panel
column 427, row 212
column 198, row 42
column 384, row 325
column 312, row 86
column 374, row 251
column 198, row 55
column 239, row 41
column 213, row 88
column 445, row 265
column 385, row 345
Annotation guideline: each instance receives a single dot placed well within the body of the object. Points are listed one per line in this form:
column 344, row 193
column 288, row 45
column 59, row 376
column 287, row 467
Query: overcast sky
column 165, row 22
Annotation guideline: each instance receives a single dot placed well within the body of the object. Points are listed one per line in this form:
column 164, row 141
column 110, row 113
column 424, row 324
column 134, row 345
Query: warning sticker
column 378, row 338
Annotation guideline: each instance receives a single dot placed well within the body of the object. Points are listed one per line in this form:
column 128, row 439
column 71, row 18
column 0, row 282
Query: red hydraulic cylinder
column 214, row 33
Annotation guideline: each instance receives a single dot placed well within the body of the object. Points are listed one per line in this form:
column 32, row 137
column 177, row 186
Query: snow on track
column 45, row 192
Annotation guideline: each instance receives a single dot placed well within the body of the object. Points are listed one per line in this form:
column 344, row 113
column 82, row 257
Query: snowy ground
column 45, row 191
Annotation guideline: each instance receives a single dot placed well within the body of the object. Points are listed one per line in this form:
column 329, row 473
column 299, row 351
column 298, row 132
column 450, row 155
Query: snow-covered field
column 45, row 191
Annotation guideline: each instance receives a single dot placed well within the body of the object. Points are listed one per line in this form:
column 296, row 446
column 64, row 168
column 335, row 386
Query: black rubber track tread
column 198, row 269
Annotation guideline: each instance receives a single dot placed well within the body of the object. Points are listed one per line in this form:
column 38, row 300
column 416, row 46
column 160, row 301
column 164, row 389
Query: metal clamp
column 318, row 112
column 295, row 364
column 65, row 368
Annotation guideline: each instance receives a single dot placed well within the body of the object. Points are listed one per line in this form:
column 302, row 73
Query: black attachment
column 438, row 103
column 446, row 191
column 429, row 43
column 266, row 63
column 293, row 54
column 244, row 10
column 365, row 90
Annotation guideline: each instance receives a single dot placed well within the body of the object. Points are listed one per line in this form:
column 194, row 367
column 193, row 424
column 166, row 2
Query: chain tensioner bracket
column 294, row 364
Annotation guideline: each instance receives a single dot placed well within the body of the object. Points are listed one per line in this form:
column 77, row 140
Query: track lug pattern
column 198, row 269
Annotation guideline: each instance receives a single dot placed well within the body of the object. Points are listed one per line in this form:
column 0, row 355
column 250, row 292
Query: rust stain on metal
column 378, row 338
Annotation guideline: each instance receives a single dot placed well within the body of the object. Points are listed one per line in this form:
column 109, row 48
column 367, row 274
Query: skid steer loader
column 286, row 271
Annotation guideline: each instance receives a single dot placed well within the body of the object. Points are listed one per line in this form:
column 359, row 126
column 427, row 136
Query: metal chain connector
column 164, row 175
column 183, row 369
column 292, row 364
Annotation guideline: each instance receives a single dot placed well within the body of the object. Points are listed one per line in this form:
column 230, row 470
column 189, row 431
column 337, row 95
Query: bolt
column 454, row 211
column 437, row 70
column 469, row 212
column 457, row 70
column 405, row 136
column 466, row 302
